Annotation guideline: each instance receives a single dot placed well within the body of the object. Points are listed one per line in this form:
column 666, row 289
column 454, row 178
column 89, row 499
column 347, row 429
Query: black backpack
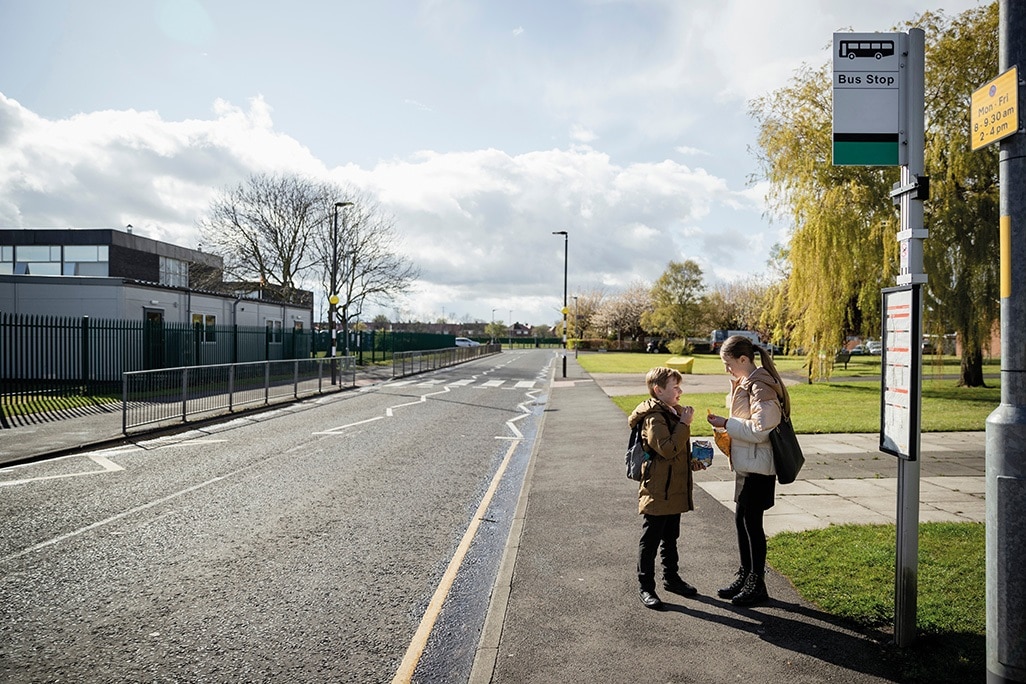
column 636, row 454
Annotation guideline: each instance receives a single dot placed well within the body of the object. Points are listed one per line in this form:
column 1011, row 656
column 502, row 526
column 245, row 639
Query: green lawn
column 848, row 571
column 842, row 405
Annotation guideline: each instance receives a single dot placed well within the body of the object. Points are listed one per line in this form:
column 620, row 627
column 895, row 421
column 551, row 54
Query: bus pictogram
column 877, row 49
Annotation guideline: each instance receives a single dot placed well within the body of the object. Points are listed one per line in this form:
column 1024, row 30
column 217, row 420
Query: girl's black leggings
column 751, row 538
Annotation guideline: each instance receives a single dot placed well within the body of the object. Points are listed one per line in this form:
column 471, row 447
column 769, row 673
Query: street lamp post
column 566, row 255
column 333, row 286
column 577, row 327
column 491, row 328
column 510, row 328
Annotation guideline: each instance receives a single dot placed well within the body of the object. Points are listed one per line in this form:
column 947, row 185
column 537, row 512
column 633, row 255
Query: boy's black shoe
column 679, row 586
column 651, row 600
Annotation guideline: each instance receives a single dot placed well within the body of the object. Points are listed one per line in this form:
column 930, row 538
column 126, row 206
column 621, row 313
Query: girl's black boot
column 736, row 586
column 753, row 592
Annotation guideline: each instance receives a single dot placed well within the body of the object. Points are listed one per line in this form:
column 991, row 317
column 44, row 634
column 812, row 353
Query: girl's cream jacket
column 754, row 406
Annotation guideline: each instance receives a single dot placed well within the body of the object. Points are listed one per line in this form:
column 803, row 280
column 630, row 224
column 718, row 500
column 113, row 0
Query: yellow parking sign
column 995, row 110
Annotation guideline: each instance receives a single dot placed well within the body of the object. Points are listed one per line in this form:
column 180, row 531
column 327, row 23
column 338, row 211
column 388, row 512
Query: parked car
column 858, row 350
column 466, row 342
column 874, row 347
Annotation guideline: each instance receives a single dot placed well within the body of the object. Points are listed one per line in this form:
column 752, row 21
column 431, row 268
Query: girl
column 755, row 402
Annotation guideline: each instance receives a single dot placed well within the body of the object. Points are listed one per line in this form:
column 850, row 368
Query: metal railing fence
column 411, row 363
column 174, row 395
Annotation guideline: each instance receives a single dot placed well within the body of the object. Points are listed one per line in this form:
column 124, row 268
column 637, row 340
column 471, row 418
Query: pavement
column 565, row 606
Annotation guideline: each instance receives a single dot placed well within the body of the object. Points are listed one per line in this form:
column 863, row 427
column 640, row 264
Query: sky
column 479, row 126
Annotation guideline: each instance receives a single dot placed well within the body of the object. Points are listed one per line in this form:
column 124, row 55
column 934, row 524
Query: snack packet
column 721, row 438
column 702, row 451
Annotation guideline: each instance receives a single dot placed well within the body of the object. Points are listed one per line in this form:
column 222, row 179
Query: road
column 311, row 543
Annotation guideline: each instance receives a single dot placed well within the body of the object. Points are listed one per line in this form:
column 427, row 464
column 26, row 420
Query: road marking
column 102, row 461
column 114, row 518
column 192, row 442
column 336, row 430
column 404, row 674
column 461, row 383
column 493, row 383
column 524, row 384
column 423, row 399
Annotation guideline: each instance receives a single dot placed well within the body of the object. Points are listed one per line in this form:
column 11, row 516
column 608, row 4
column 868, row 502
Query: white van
column 718, row 337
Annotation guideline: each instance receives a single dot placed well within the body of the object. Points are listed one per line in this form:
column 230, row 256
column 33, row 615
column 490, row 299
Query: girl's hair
column 737, row 346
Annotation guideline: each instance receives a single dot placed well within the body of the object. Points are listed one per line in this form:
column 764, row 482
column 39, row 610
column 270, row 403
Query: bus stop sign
column 869, row 99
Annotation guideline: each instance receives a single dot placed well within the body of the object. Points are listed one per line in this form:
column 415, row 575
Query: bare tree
column 583, row 310
column 621, row 314
column 262, row 228
column 366, row 266
column 738, row 305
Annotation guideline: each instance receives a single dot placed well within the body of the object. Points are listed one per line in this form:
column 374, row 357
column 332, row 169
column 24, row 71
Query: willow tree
column 843, row 223
column 960, row 256
column 843, row 247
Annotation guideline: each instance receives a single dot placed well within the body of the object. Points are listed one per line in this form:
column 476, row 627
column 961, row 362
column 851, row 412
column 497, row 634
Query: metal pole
column 566, row 260
column 906, row 575
column 333, row 290
column 1006, row 426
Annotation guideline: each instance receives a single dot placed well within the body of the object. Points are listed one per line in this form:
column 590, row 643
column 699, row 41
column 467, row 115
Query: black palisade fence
column 54, row 362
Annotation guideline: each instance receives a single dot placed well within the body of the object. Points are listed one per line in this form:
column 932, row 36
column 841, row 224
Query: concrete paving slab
column 975, row 509
column 886, row 505
column 868, row 519
column 965, row 485
column 792, row 523
column 803, row 487
column 854, row 488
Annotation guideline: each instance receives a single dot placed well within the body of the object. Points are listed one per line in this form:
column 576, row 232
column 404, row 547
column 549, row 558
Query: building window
column 206, row 324
column 273, row 331
column 87, row 260
column 37, row 260
column 174, row 272
column 76, row 260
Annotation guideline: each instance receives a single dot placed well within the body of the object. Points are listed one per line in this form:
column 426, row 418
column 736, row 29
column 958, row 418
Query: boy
column 666, row 481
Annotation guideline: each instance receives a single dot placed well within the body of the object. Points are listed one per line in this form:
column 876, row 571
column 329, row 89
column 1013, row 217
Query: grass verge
column 825, row 408
column 848, row 571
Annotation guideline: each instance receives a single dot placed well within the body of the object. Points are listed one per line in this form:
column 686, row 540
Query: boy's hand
column 687, row 414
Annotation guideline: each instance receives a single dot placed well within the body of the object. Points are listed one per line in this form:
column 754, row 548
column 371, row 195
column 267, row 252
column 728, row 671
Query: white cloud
column 581, row 134
column 479, row 224
column 691, row 151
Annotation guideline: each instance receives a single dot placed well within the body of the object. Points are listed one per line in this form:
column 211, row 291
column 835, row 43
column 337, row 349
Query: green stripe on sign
column 865, row 154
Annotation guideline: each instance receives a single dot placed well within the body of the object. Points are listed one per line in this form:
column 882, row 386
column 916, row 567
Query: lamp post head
column 559, row 232
column 343, row 204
